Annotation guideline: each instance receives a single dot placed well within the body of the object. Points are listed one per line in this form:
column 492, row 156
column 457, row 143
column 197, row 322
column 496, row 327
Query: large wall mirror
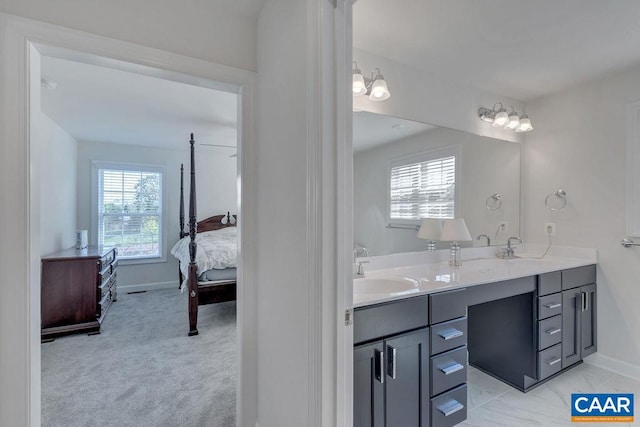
column 397, row 162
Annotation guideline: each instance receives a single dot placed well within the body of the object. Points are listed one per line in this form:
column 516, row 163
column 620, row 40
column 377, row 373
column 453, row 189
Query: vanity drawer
column 381, row 320
column 550, row 305
column 448, row 370
column 574, row 277
column 449, row 408
column 447, row 305
column 549, row 332
column 448, row 335
column 549, row 361
column 549, row 283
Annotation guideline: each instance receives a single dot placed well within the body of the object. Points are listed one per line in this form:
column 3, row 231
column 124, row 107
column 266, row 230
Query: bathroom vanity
column 523, row 321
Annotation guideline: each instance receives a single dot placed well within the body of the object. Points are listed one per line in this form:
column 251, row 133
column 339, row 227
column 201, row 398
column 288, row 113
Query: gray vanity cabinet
column 579, row 317
column 391, row 381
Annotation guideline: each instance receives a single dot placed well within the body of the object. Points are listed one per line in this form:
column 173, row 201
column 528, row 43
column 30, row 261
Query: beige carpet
column 143, row 369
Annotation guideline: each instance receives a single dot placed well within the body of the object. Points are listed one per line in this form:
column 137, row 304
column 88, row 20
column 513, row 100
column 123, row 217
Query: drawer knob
column 553, row 305
column 553, row 331
column 450, row 407
column 455, row 367
column 449, row 334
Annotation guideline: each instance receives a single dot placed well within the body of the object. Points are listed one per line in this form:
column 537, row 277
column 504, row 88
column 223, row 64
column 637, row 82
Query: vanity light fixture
column 375, row 87
column 454, row 231
column 498, row 117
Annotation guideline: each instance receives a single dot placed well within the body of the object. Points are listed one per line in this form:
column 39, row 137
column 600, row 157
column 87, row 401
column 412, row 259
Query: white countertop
column 435, row 275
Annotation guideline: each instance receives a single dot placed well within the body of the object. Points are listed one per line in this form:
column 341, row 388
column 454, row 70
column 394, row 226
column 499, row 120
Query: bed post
column 182, row 233
column 193, row 275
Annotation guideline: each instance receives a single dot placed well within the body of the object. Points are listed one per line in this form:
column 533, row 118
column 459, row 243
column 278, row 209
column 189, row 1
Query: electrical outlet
column 503, row 226
column 550, row 228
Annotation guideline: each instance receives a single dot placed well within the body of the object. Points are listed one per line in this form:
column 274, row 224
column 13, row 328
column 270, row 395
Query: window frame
column 96, row 165
column 425, row 156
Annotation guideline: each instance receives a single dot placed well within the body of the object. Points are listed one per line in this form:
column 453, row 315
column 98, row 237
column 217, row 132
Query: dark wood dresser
column 78, row 286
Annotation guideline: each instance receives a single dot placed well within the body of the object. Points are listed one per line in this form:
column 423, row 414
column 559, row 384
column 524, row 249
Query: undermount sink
column 385, row 285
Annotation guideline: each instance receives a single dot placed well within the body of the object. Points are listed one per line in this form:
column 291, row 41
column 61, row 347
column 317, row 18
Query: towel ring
column 494, row 202
column 556, row 200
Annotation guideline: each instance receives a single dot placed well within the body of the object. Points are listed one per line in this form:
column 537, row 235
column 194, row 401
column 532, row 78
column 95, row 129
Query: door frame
column 20, row 388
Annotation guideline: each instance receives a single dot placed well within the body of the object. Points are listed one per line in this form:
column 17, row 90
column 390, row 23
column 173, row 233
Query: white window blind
column 423, row 190
column 130, row 211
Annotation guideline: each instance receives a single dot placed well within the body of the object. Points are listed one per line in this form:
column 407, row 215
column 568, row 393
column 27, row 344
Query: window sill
column 137, row 261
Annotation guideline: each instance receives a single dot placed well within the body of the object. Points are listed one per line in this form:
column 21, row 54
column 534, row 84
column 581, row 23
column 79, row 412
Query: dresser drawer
column 448, row 335
column 549, row 361
column 448, row 370
column 549, row 332
column 447, row 305
column 550, row 305
column 449, row 408
column 106, row 260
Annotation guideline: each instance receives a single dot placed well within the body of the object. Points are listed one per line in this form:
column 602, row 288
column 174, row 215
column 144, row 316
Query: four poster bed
column 206, row 254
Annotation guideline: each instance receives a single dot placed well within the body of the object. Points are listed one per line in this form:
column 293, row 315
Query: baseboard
column 123, row 289
column 618, row 366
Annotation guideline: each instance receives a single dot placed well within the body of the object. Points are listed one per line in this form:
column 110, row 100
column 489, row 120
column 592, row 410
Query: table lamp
column 454, row 231
column 430, row 231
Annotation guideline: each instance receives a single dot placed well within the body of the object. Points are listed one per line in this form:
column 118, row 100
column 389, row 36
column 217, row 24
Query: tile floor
column 493, row 403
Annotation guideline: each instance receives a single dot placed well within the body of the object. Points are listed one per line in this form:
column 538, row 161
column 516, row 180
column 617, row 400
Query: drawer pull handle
column 448, row 370
column 553, row 331
column 554, row 361
column 449, row 334
column 551, row 306
column 450, row 407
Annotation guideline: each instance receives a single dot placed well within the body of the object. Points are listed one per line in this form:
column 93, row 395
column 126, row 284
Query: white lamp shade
column 455, row 230
column 379, row 91
column 501, row 119
column 525, row 125
column 430, row 229
column 514, row 122
column 359, row 87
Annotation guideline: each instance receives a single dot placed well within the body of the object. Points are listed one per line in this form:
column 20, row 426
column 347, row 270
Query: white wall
column 57, row 152
column 201, row 29
column 427, row 98
column 487, row 166
column 216, row 187
column 579, row 145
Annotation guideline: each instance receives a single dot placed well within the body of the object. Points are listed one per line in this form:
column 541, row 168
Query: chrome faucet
column 361, row 251
column 508, row 252
column 486, row 237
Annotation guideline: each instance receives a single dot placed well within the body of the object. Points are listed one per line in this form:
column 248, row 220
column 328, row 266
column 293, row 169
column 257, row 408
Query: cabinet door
column 588, row 322
column 407, row 380
column 571, row 319
column 368, row 386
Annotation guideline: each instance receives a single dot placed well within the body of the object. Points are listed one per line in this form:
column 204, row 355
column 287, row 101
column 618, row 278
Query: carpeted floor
column 143, row 369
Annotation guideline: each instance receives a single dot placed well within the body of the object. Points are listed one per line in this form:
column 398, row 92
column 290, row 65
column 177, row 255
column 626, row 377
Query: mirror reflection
column 405, row 171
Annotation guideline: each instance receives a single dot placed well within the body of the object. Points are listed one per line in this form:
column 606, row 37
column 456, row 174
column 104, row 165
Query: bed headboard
column 215, row 222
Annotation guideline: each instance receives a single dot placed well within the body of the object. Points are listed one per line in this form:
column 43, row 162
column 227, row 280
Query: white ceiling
column 372, row 130
column 95, row 103
column 520, row 49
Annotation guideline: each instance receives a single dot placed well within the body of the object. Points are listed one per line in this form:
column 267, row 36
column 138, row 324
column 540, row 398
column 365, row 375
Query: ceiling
column 518, row 49
column 372, row 130
column 100, row 104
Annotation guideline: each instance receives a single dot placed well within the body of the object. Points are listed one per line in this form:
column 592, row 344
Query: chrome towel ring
column 494, row 202
column 556, row 200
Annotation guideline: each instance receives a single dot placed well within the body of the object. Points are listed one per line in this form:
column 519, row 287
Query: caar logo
column 602, row 408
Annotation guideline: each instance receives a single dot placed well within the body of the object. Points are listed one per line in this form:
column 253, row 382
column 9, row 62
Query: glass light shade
column 430, row 229
column 514, row 121
column 359, row 86
column 501, row 119
column 525, row 125
column 455, row 230
column 379, row 90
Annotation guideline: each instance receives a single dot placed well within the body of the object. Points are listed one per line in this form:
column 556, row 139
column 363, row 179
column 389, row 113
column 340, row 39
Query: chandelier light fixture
column 375, row 87
column 499, row 117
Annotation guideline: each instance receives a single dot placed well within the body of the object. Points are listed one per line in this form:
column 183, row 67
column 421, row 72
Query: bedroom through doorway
column 108, row 140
